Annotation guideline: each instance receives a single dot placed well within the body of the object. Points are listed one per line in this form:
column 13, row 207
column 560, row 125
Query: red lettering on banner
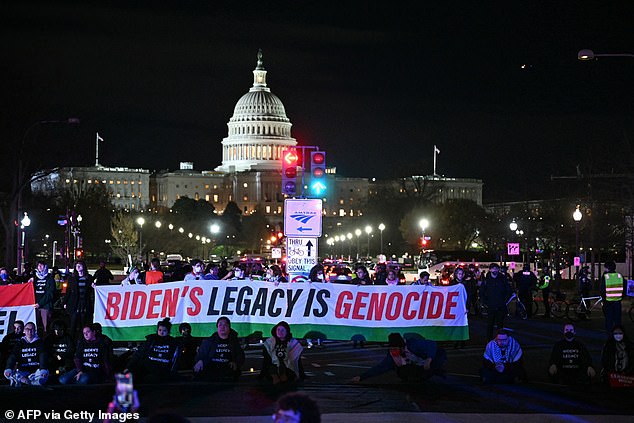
column 193, row 297
column 377, row 305
column 342, row 310
column 393, row 311
column 408, row 313
column 139, row 300
column 451, row 303
column 359, row 305
column 170, row 301
column 126, row 305
column 151, row 314
column 423, row 305
column 112, row 305
column 435, row 305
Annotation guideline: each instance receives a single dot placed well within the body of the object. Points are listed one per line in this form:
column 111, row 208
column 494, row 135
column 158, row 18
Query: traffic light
column 317, row 173
column 79, row 253
column 290, row 160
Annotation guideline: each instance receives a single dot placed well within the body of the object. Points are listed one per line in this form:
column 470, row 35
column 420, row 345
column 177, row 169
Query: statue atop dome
column 260, row 65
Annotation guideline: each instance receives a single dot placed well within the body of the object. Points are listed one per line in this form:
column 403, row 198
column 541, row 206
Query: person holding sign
column 282, row 354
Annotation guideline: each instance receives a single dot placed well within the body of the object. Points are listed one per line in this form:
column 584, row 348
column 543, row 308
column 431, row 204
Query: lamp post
column 381, row 228
column 368, row 230
column 577, row 216
column 349, row 238
column 358, row 233
column 25, row 222
column 587, row 54
column 140, row 221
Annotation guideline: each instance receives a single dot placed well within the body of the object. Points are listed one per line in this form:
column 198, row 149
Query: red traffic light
column 318, row 172
column 290, row 157
column 318, row 157
column 290, row 172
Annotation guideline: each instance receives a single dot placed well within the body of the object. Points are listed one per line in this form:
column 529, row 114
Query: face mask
column 618, row 337
column 569, row 335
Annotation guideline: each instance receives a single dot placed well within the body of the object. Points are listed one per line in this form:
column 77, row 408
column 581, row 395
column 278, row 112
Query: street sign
column 301, row 256
column 276, row 253
column 513, row 248
column 577, row 261
column 302, row 218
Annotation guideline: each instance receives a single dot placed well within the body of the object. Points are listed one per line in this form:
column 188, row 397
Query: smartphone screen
column 124, row 389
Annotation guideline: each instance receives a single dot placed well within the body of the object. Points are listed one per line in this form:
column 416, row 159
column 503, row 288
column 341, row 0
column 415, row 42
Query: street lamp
column 381, row 228
column 22, row 252
column 158, row 224
column 358, row 233
column 349, row 237
column 368, row 230
column 577, row 216
column 513, row 226
column 587, row 54
column 140, row 221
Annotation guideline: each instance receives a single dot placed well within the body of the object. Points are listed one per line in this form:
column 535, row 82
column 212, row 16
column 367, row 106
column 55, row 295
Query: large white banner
column 337, row 311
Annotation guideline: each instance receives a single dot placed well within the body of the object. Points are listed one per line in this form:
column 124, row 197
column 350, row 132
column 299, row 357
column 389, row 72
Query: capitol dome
column 258, row 129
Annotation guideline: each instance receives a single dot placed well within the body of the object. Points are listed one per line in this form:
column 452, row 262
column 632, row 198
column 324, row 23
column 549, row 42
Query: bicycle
column 583, row 308
column 520, row 309
column 557, row 303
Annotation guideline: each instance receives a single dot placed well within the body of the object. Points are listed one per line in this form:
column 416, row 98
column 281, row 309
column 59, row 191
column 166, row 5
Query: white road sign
column 301, row 255
column 302, row 218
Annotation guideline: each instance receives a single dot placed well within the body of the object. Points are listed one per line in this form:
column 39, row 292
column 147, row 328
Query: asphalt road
column 331, row 367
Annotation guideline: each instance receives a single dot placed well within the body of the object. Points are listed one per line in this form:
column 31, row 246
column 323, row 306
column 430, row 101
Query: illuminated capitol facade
column 250, row 172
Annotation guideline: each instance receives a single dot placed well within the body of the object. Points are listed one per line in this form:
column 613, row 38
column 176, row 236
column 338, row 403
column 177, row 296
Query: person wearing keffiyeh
column 503, row 360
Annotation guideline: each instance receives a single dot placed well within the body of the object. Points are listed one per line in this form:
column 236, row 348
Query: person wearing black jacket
column 495, row 292
column 44, row 287
column 220, row 357
column 155, row 361
column 60, row 349
column 10, row 340
column 80, row 297
column 27, row 364
column 92, row 360
column 570, row 361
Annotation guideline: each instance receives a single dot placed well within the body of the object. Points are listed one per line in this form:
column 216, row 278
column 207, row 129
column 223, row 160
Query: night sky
column 495, row 85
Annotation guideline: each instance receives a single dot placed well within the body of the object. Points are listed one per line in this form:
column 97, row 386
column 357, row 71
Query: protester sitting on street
column 415, row 359
column 155, row 360
column 10, row 340
column 570, row 362
column 220, row 357
column 618, row 354
column 282, row 355
column 188, row 346
column 154, row 275
column 423, row 279
column 296, row 407
column 503, row 361
column 198, row 271
column 92, row 360
column 27, row 363
column 60, row 350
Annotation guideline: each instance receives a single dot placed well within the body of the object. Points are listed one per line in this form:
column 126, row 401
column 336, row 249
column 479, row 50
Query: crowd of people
column 47, row 351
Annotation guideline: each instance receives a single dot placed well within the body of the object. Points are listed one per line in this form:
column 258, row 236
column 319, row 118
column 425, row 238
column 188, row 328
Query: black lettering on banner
column 244, row 304
column 276, row 293
column 6, row 325
column 211, row 311
column 259, row 305
column 322, row 294
column 291, row 299
column 228, row 300
column 309, row 302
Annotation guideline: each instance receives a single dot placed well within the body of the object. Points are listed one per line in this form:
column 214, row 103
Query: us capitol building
column 250, row 173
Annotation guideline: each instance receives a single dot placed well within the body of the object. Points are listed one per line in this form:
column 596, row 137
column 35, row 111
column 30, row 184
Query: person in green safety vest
column 612, row 293
column 544, row 285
